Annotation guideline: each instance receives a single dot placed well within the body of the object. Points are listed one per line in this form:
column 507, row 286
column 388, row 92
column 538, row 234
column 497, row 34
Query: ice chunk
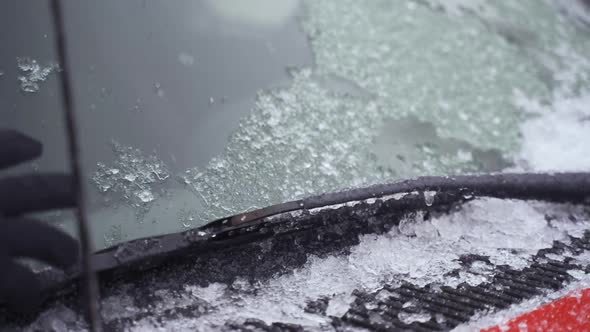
column 339, row 305
column 32, row 73
column 384, row 295
column 555, row 257
column 429, row 197
column 145, row 196
column 473, row 279
column 133, row 175
column 409, row 318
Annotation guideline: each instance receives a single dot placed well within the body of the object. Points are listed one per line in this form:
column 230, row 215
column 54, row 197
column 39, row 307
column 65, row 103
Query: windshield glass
column 193, row 111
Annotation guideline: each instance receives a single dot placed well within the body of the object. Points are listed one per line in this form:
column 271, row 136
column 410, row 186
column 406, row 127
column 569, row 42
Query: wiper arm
column 406, row 195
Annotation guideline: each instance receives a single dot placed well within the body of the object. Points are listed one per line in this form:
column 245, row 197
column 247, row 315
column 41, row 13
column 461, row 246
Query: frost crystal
column 132, row 175
column 32, row 73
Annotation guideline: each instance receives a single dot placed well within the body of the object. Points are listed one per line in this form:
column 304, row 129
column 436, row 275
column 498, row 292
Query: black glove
column 26, row 237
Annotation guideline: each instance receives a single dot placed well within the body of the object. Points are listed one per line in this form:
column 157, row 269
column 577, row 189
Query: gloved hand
column 25, row 237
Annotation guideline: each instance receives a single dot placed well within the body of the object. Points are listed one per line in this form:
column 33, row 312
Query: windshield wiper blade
column 402, row 196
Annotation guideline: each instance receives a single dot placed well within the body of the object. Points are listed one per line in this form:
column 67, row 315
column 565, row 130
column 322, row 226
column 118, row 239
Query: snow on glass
column 476, row 74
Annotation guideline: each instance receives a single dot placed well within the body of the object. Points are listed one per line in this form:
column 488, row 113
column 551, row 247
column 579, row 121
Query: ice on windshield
column 133, row 178
column 444, row 88
column 399, row 89
column 402, row 89
column 32, row 73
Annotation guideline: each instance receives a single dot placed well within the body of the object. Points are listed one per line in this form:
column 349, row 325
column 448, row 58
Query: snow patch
column 484, row 320
column 508, row 232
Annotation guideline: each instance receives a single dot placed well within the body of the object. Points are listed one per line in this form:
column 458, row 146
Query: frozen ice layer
column 308, row 140
column 455, row 73
column 296, row 142
column 389, row 99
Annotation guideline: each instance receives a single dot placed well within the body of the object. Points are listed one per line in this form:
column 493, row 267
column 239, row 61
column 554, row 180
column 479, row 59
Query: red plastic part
column 569, row 313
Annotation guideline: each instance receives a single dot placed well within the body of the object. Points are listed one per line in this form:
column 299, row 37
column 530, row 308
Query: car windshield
column 192, row 111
